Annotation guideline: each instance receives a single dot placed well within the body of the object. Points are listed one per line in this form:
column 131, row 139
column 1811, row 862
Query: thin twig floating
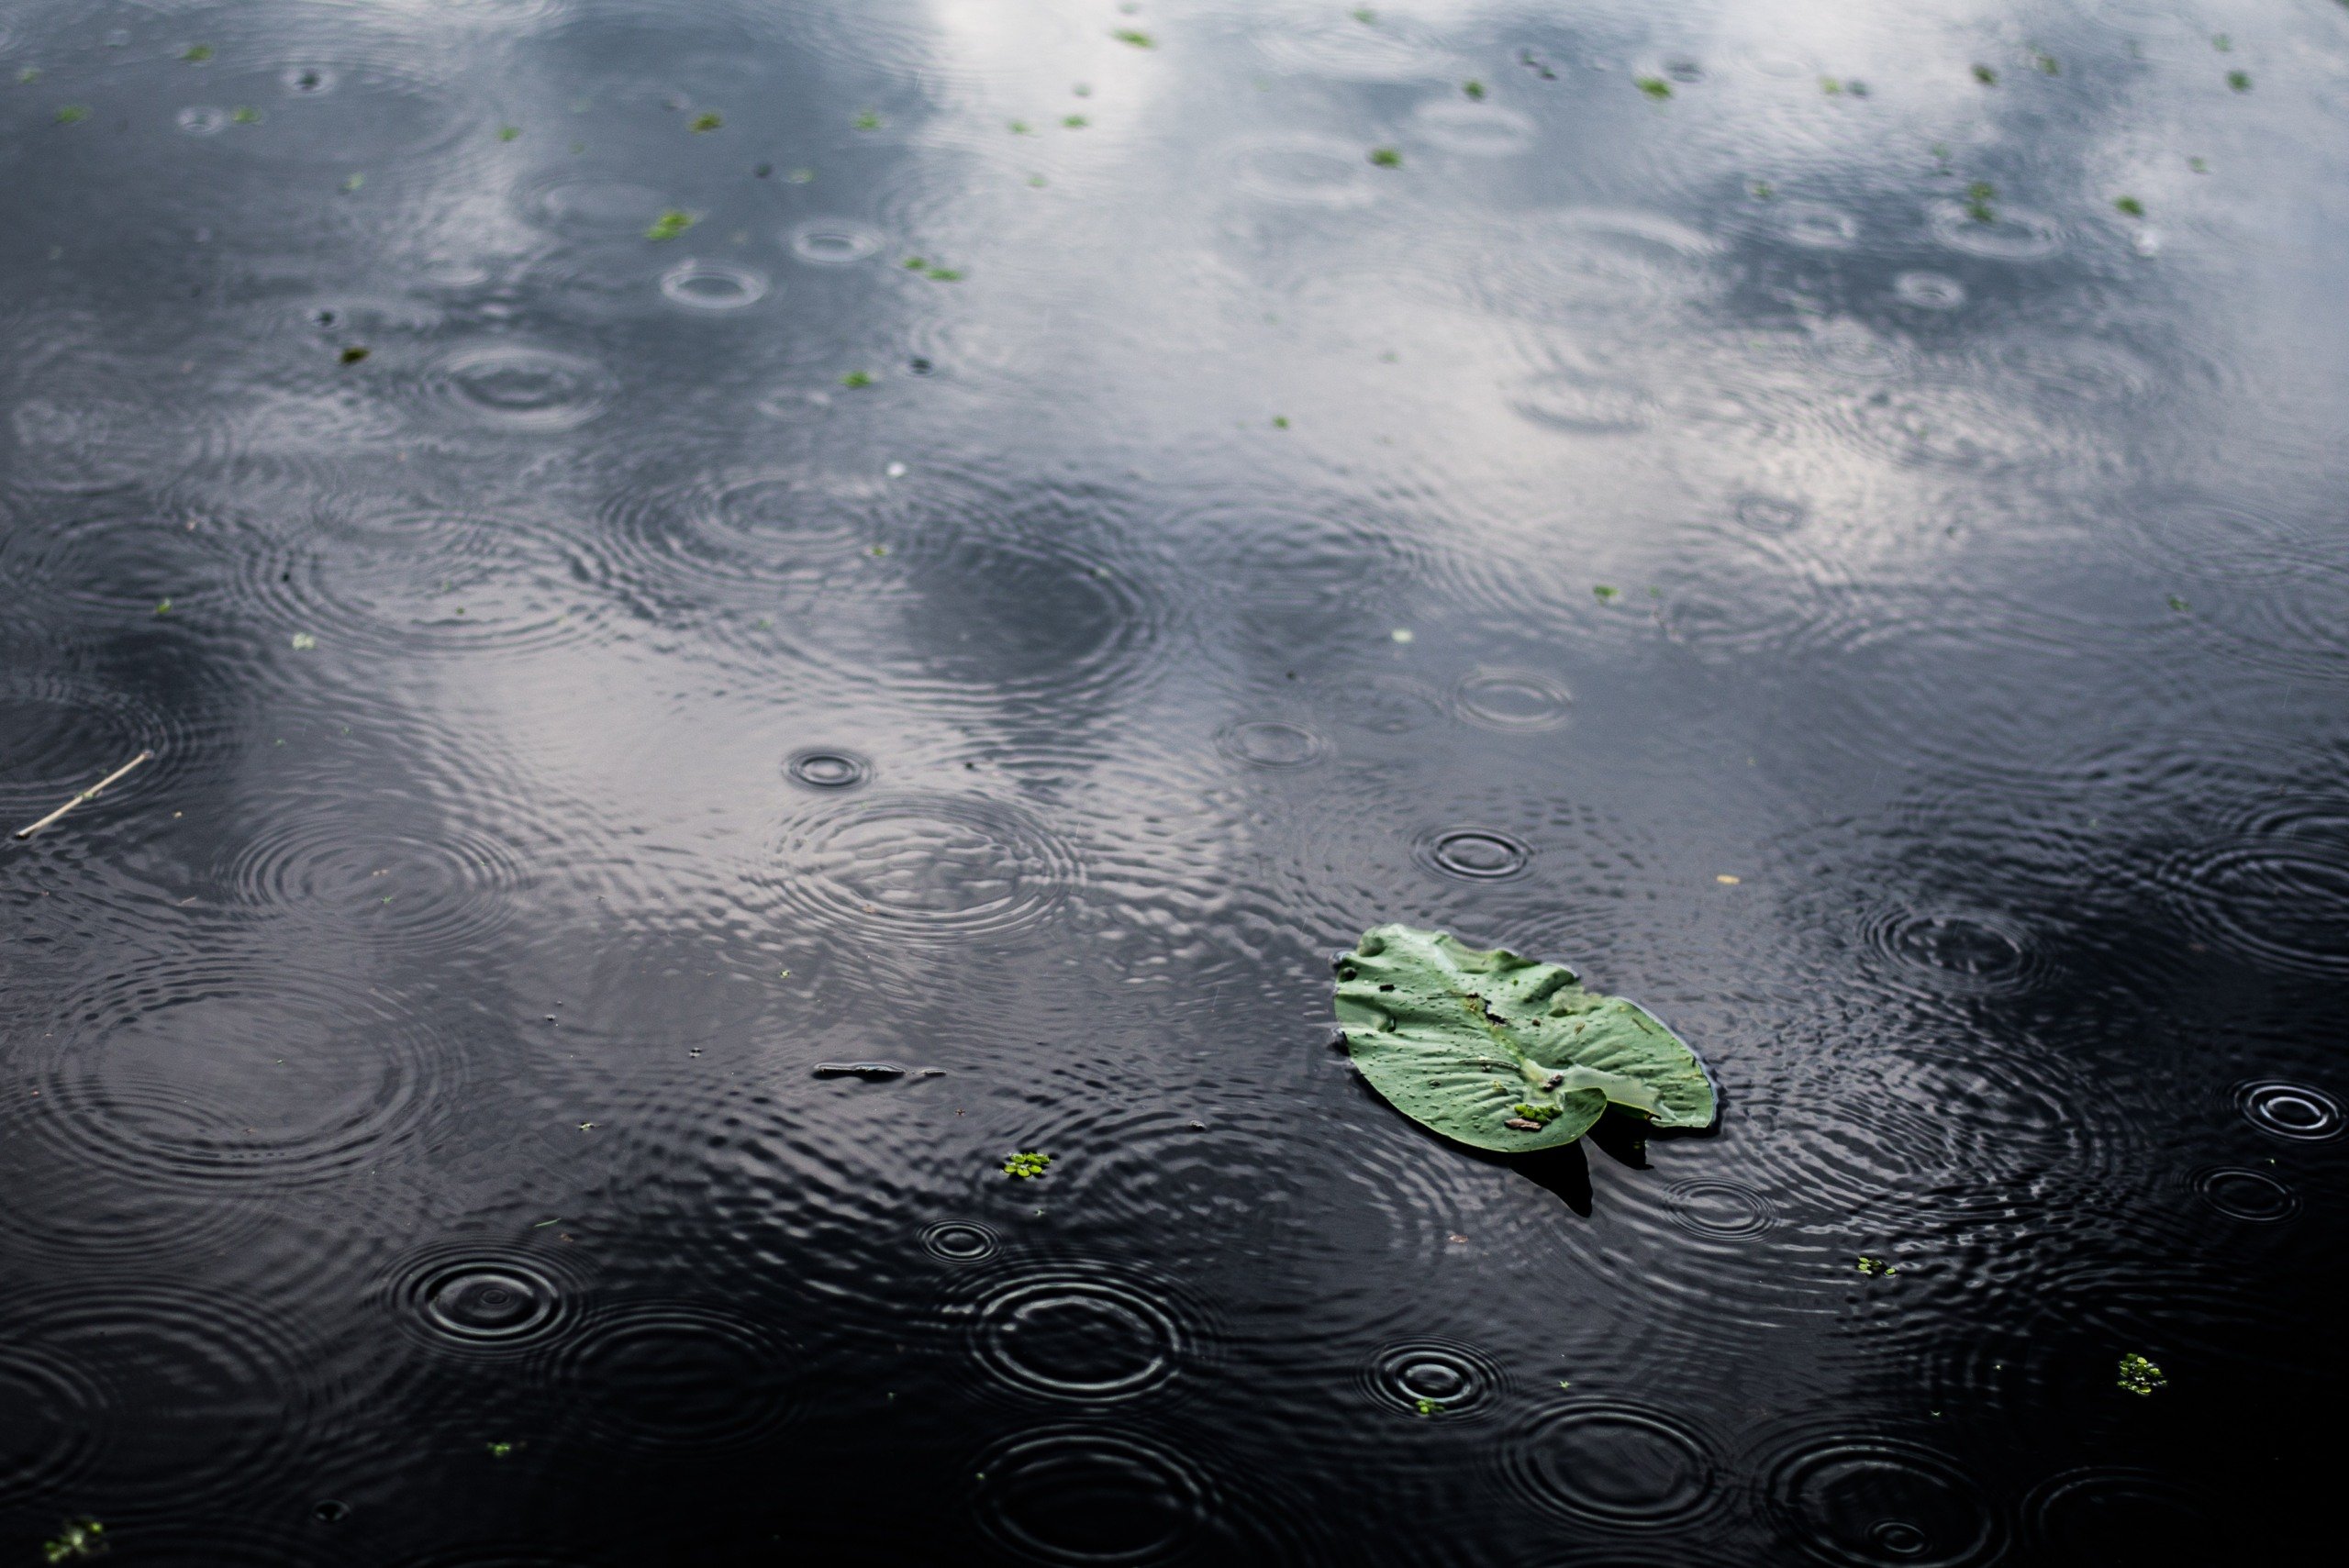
column 89, row 793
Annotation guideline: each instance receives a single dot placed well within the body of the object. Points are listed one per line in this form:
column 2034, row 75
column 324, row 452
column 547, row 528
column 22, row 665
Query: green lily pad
column 1501, row 1052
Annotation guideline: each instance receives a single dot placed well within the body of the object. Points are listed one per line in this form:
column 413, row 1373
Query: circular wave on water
column 52, row 1419
column 2270, row 885
column 671, row 1377
column 1954, row 948
column 1722, row 1209
column 1080, row 1333
column 201, row 1395
column 2013, row 234
column 2296, row 1111
column 1613, row 1462
column 1087, row 1497
column 2242, row 1194
column 1473, row 854
column 1929, row 291
column 826, row 769
column 922, row 866
column 960, row 1242
column 833, row 241
column 519, row 387
column 226, row 1069
column 593, row 208
column 1579, row 264
column 1880, row 1502
column 700, row 285
column 433, row 886
column 66, row 732
column 1301, row 171
column 483, row 1297
column 1270, row 743
column 1432, row 1378
column 2119, row 1514
column 760, row 529
column 1817, row 226
column 357, row 110
column 1511, row 700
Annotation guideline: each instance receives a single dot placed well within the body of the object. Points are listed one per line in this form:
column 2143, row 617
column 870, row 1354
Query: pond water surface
column 672, row 558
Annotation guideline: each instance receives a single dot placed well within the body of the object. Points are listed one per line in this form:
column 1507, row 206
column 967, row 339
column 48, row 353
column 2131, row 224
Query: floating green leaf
column 79, row 1539
column 1501, row 1052
column 706, row 121
column 1135, row 37
column 2131, row 205
column 1028, row 1165
column 72, row 114
column 1984, row 74
column 1875, row 1266
column 1474, row 89
column 669, row 225
column 2139, row 1376
column 1386, row 156
column 1653, row 87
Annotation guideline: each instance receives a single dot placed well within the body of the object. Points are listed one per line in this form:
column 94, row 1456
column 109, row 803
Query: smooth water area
column 744, row 609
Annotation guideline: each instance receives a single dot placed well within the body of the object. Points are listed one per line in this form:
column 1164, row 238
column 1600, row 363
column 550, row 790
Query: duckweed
column 669, row 225
column 1027, row 1165
column 2138, row 1375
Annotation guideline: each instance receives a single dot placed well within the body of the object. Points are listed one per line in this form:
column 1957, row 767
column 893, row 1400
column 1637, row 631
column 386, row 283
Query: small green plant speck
column 2238, row 80
column 1365, row 15
column 1474, row 89
column 304, row 643
column 196, row 54
column 1075, row 122
column 2049, row 65
column 1653, row 87
column 2200, row 165
column 1763, row 189
column 352, row 181
column 508, row 132
column 868, row 120
column 1873, row 1267
column 354, row 354
column 30, row 74
column 501, row 1450
column 943, row 274
column 2138, row 1375
column 706, row 121
column 801, row 176
column 915, row 263
column 878, row 551
column 1386, row 158
column 245, row 113
column 1984, row 74
column 1280, row 421
column 72, row 114
column 1829, row 85
column 79, row 1539
column 1135, row 37
column 855, row 379
column 1606, row 595
column 669, row 225
column 1428, row 1407
column 1021, row 128
column 163, row 606
column 1543, row 1114
column 1027, row 1165
column 2131, row 205
column 2223, row 43
column 1979, row 197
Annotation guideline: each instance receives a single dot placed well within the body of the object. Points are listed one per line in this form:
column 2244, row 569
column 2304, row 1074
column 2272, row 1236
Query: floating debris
column 508, row 132
column 91, row 793
column 868, row 120
column 1027, row 1165
column 1386, row 156
column 1984, row 74
column 1875, row 1266
column 354, row 354
column 1979, row 197
column 2180, row 605
column 2138, row 1375
column 2238, row 80
column 304, row 643
column 873, row 1070
column 196, row 54
column 78, row 1538
column 855, row 379
column 1474, row 89
column 352, row 181
column 245, row 113
column 1135, row 37
column 501, row 1450
column 707, row 120
column 1075, row 122
column 2048, row 64
column 2131, row 205
column 1653, row 87
column 1606, row 595
column 669, row 225
column 72, row 114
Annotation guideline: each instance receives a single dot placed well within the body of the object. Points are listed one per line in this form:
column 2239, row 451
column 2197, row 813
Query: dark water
column 1808, row 557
